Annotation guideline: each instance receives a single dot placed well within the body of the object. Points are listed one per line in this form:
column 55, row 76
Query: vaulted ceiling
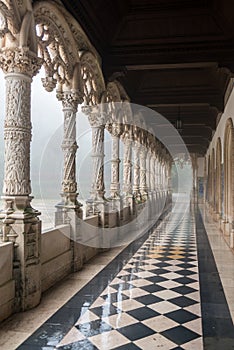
column 174, row 56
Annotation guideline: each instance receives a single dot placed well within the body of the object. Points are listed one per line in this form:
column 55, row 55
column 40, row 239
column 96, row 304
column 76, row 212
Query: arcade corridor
column 140, row 255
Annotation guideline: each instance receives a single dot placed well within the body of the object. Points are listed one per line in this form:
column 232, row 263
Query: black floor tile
column 183, row 301
column 122, row 286
column 180, row 335
column 159, row 271
column 184, row 280
column 181, row 316
column 156, row 279
column 143, row 313
column 136, row 331
column 162, row 264
column 79, row 345
column 148, row 299
column 185, row 272
column 128, row 278
column 93, row 328
column 129, row 346
column 105, row 310
column 184, row 289
column 114, row 297
column 152, row 288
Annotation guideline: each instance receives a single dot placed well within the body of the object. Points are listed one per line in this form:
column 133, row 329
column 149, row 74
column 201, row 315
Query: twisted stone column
column 148, row 156
column 143, row 183
column 115, row 185
column 97, row 120
column 127, row 178
column 152, row 171
column 127, row 167
column 136, row 171
column 70, row 100
column 157, row 174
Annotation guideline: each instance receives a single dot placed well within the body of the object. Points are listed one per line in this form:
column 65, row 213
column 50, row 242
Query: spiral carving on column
column 70, row 102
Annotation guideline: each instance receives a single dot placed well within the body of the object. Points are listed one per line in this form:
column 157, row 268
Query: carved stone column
column 20, row 222
column 156, row 174
column 70, row 101
column 127, row 171
column 115, row 185
column 96, row 202
column 136, row 171
column 69, row 210
column 143, row 184
column 152, row 171
column 148, row 156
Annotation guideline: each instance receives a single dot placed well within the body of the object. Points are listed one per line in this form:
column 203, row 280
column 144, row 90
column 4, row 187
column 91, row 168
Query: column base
column 22, row 227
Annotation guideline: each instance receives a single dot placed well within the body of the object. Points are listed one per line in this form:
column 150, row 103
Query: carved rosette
column 127, row 167
column 70, row 100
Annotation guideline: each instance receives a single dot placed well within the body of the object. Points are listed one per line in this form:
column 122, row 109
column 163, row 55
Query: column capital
column 115, row 129
column 96, row 117
column 20, row 60
column 70, row 99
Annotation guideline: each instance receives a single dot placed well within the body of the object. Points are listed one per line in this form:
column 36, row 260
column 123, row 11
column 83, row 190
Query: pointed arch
column 56, row 45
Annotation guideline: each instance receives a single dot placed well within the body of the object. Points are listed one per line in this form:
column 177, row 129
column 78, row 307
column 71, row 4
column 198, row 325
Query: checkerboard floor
column 153, row 302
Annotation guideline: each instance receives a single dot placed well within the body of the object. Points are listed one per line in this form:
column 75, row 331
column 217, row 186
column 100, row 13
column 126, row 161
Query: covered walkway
column 126, row 264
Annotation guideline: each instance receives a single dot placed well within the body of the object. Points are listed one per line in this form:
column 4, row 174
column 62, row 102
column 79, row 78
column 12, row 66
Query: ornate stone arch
column 229, row 171
column 92, row 79
column 56, row 46
column 218, row 174
column 81, row 39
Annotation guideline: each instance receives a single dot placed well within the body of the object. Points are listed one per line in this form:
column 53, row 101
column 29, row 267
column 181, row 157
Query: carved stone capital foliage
column 96, row 117
column 19, row 60
column 70, row 99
